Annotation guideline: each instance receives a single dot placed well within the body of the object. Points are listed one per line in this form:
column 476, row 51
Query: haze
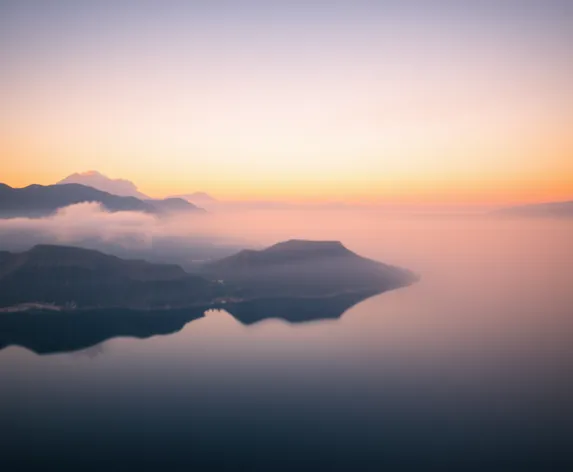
column 404, row 102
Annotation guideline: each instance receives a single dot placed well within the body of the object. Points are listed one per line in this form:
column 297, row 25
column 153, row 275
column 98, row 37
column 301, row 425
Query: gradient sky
column 400, row 101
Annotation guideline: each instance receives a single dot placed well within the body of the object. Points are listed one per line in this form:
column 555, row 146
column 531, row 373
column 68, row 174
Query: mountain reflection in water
column 57, row 332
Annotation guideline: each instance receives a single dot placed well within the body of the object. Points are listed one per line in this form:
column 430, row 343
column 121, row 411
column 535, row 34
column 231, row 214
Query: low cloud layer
column 184, row 239
column 76, row 223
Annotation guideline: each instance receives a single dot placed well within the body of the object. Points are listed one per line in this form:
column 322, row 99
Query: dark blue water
column 471, row 368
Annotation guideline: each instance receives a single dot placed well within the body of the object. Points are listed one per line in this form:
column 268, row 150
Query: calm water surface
column 471, row 367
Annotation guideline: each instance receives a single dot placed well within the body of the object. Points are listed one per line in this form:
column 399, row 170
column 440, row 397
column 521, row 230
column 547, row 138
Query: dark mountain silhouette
column 83, row 278
column 305, row 268
column 540, row 210
column 39, row 200
column 97, row 180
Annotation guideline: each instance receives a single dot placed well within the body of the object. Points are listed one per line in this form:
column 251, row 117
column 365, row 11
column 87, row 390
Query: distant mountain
column 305, row 268
column 540, row 210
column 92, row 178
column 201, row 199
column 38, row 200
column 173, row 205
column 85, row 278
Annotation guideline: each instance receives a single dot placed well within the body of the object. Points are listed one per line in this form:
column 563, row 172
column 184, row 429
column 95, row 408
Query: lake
column 471, row 367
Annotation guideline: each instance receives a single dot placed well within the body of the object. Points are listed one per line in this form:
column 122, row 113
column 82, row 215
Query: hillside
column 88, row 279
column 305, row 268
column 38, row 200
column 74, row 277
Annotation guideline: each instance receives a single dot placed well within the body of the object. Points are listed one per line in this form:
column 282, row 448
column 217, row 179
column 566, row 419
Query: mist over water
column 219, row 305
column 471, row 365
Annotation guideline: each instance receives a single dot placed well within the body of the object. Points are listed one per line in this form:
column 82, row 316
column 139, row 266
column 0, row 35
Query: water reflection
column 91, row 352
column 470, row 369
column 50, row 333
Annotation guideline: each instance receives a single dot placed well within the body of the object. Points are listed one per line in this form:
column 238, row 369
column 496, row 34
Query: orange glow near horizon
column 469, row 111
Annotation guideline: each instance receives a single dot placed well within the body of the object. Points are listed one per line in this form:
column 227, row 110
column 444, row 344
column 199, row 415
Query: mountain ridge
column 563, row 209
column 85, row 278
column 99, row 181
column 305, row 268
column 62, row 275
column 43, row 200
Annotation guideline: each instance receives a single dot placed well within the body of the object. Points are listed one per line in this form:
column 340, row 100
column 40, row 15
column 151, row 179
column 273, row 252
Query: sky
column 360, row 101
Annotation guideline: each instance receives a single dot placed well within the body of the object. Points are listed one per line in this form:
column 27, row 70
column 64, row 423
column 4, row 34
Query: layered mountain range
column 74, row 277
column 37, row 201
column 63, row 277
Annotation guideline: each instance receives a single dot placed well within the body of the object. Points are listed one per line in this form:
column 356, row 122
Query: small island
column 301, row 268
column 71, row 278
column 62, row 299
